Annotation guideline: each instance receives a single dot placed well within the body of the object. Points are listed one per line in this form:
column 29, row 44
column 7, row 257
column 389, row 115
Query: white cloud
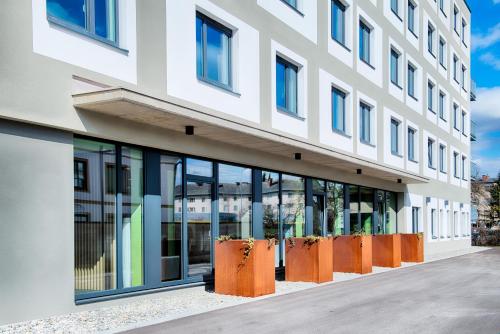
column 487, row 105
column 489, row 58
column 481, row 41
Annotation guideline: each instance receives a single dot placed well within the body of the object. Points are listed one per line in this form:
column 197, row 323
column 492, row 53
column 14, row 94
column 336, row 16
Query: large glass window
column 338, row 21
column 366, row 209
column 394, row 136
column 95, row 220
column 411, row 16
column 94, row 17
column 334, row 209
column 293, row 203
column 213, row 51
column 395, row 67
column 286, row 85
column 411, row 80
column 411, row 144
column 365, row 123
column 132, row 212
column 171, row 217
column 364, row 42
column 270, row 208
column 338, row 109
column 235, row 201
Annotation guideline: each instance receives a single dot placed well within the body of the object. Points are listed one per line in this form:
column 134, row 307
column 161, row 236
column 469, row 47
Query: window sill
column 444, row 67
column 431, row 167
column 215, row 84
column 413, row 33
column 396, row 154
column 397, row 15
column 293, row 8
column 442, row 11
column 341, row 44
column 432, row 54
column 367, row 63
column 342, row 133
column 367, row 143
column 465, row 45
column 443, row 119
column 458, row 83
column 413, row 160
column 289, row 113
column 465, row 90
column 455, row 128
column 413, row 97
column 432, row 111
column 443, row 172
column 397, row 85
column 78, row 30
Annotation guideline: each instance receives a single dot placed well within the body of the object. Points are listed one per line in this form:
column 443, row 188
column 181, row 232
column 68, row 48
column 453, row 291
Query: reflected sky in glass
column 72, row 11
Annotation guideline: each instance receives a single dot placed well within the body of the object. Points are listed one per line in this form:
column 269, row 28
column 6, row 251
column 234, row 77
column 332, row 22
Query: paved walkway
column 457, row 295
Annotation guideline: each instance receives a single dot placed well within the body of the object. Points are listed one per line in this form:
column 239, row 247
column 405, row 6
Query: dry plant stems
column 247, row 249
column 223, row 238
column 420, row 235
column 311, row 240
column 291, row 242
column 271, row 242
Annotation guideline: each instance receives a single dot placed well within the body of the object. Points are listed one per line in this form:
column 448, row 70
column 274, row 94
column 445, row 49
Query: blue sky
column 486, row 72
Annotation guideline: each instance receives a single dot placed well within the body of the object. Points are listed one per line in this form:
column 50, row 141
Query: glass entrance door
column 199, row 220
column 318, row 214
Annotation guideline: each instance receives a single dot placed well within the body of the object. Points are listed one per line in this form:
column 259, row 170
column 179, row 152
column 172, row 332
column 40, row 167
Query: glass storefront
column 146, row 219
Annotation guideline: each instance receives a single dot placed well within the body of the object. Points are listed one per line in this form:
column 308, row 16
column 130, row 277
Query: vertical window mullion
column 90, row 5
column 204, row 48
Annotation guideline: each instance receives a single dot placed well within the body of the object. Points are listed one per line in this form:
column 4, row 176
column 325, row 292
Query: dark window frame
column 288, row 65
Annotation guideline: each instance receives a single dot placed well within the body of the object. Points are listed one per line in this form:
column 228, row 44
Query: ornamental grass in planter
column 352, row 253
column 244, row 267
column 386, row 250
column 412, row 247
column 309, row 259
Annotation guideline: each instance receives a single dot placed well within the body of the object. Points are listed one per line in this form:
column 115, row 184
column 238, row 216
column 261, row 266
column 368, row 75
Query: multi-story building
column 133, row 133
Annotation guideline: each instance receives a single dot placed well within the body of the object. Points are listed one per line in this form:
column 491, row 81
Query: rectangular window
column 455, row 165
column 456, row 117
column 365, row 133
column 338, row 21
column 411, row 144
column 286, row 86
column 455, row 18
column 463, row 121
column 463, row 168
column 395, row 136
column 464, row 70
column 442, row 52
column 411, row 80
column 441, row 5
column 414, row 219
column 430, row 153
column 95, row 221
column 430, row 39
column 442, row 158
column 80, row 174
column 455, row 68
column 364, row 42
column 335, row 208
column 430, row 96
column 442, row 98
column 464, row 29
column 97, row 18
column 338, row 110
column 394, row 67
column 213, row 51
column 293, row 212
column 434, row 227
column 395, row 7
column 235, row 182
column 411, row 17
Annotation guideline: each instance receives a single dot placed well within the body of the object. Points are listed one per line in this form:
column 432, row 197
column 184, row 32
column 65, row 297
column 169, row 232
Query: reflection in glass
column 132, row 209
column 318, row 186
column 381, row 213
column 366, row 209
column 71, row 11
column 354, row 209
column 95, row 239
column 105, row 19
column 335, row 209
column 391, row 222
column 270, row 208
column 235, row 201
column 198, row 167
column 293, row 203
column 171, row 217
column 318, row 214
column 199, row 209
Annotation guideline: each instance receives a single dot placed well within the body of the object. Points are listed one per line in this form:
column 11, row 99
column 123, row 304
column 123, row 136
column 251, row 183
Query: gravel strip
column 171, row 305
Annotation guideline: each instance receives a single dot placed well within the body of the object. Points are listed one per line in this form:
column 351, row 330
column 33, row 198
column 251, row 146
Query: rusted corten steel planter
column 412, row 247
column 386, row 250
column 236, row 276
column 352, row 254
column 309, row 263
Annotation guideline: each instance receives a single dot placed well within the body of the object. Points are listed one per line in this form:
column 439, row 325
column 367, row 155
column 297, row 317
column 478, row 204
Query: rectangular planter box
column 412, row 248
column 352, row 254
column 386, row 250
column 304, row 263
column 251, row 278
